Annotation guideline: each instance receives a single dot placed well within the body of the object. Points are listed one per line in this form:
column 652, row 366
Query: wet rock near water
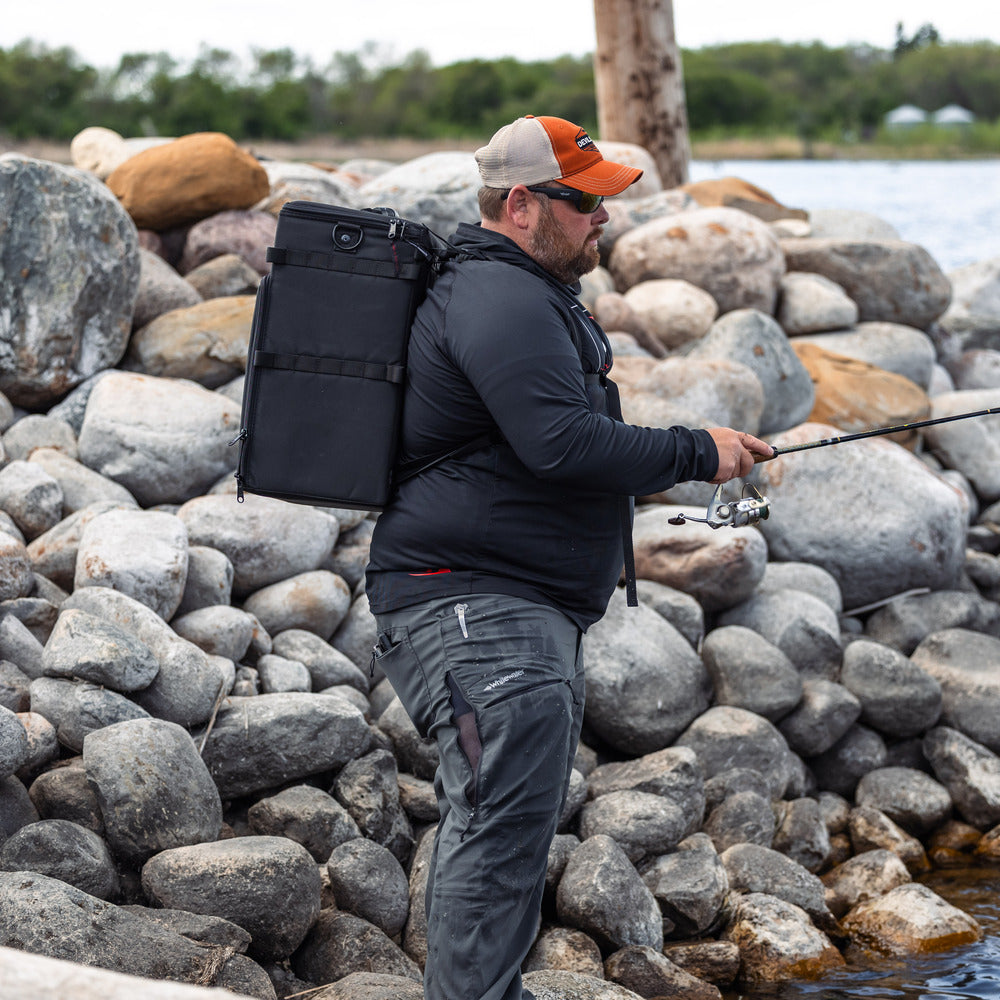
column 201, row 781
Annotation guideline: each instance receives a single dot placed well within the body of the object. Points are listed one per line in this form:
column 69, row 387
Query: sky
column 450, row 30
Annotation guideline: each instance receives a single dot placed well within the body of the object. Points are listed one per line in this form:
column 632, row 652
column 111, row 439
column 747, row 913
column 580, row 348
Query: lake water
column 951, row 208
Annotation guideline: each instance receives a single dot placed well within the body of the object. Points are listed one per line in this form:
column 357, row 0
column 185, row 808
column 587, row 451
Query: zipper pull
column 239, row 437
column 460, row 610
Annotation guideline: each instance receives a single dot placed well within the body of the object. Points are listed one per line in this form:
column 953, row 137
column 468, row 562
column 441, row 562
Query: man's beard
column 553, row 249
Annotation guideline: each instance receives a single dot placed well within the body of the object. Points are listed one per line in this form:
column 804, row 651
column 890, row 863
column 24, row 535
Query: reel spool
column 748, row 510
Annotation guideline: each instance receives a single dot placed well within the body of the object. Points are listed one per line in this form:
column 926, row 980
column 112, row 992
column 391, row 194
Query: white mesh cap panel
column 520, row 153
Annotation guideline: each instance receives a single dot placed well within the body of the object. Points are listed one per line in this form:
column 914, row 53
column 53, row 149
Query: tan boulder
column 734, row 192
column 188, row 179
column 675, row 312
column 778, row 941
column 856, row 396
column 730, row 254
column 206, row 342
column 910, row 920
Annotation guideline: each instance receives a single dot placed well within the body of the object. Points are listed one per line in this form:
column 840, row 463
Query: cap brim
column 603, row 177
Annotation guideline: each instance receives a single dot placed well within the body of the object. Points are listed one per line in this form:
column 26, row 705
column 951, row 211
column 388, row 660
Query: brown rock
column 910, row 920
column 566, row 949
column 865, row 876
column 778, row 942
column 188, row 179
column 870, row 829
column 718, row 191
column 712, row 961
column 856, row 396
column 734, row 192
column 989, row 845
column 650, row 974
column 951, row 845
column 244, row 233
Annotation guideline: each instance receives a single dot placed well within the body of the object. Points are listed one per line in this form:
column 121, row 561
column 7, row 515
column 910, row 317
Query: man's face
column 564, row 240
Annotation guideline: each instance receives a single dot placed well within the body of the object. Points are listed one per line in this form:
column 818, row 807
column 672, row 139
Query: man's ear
column 520, row 206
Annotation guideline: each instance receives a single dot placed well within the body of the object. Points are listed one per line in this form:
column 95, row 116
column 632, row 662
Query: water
column 951, row 208
column 971, row 972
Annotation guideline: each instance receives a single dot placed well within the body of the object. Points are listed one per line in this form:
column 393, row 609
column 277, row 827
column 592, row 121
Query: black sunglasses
column 584, row 201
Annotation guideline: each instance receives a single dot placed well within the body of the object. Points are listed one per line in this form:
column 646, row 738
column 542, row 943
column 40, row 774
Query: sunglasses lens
column 589, row 203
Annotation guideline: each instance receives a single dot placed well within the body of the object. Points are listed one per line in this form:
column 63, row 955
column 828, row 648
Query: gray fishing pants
column 498, row 682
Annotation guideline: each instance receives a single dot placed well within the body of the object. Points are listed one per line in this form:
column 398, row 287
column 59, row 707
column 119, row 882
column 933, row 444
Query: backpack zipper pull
column 460, row 610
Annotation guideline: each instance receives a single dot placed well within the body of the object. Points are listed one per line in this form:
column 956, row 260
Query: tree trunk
column 639, row 82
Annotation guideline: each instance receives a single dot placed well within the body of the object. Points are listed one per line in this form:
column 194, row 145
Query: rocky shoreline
column 201, row 780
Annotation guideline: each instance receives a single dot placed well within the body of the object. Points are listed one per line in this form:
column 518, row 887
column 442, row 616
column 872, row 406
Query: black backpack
column 326, row 367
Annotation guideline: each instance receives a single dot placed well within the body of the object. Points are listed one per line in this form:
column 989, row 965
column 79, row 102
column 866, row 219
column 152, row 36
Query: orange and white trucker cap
column 534, row 150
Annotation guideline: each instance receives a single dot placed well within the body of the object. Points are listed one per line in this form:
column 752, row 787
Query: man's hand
column 736, row 452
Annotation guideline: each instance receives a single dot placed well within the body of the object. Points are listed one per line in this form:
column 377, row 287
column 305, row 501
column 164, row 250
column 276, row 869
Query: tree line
column 751, row 89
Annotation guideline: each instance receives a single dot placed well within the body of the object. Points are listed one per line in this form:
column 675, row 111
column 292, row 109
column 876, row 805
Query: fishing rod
column 914, row 425
column 752, row 507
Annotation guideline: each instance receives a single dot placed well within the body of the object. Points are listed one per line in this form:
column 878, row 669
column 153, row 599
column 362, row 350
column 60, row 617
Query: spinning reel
column 748, row 510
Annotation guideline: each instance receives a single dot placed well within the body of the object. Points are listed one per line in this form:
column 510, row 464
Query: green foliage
column 43, row 92
column 751, row 88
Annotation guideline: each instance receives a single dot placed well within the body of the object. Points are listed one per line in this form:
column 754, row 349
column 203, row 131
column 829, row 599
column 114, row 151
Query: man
column 487, row 567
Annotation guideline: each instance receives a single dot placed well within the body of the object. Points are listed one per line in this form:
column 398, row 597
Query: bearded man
column 487, row 567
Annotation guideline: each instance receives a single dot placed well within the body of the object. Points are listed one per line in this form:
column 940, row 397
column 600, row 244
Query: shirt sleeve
column 518, row 353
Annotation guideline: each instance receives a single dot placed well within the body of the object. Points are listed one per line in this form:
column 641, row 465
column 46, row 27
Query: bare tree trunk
column 639, row 82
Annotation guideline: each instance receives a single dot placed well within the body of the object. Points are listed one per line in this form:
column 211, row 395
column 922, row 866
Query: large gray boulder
column 970, row 446
column 70, row 266
column 438, row 188
column 603, row 895
column 44, row 978
column 77, row 708
column 93, row 649
column 644, row 682
column 972, row 319
column 153, row 789
column 45, row 916
column 161, row 289
column 142, row 553
column 724, row 737
column 266, row 540
column 269, row 886
column 890, row 280
column 272, row 739
column 188, row 682
column 66, row 851
column 165, row 440
column 753, row 338
column 964, row 664
column 897, row 697
column 889, row 523
column 969, row 771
